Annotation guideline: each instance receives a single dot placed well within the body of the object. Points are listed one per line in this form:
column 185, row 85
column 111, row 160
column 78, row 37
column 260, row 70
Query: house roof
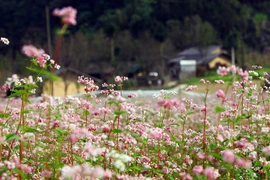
column 201, row 55
column 198, row 51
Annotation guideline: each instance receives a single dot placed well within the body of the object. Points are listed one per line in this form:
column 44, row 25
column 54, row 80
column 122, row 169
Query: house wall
column 219, row 60
column 59, row 88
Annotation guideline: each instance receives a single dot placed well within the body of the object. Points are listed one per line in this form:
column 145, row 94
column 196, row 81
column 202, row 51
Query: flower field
column 217, row 136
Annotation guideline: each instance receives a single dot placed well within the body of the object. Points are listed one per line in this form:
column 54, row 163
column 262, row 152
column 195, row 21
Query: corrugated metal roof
column 201, row 55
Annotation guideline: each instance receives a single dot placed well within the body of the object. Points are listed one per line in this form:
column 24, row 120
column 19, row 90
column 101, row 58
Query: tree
column 111, row 23
column 159, row 32
column 191, row 32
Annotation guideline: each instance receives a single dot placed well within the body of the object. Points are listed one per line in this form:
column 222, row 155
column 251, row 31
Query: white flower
column 125, row 158
column 10, row 165
column 46, row 57
column 30, row 80
column 2, row 164
column 17, row 83
column 265, row 129
column 119, row 165
column 70, row 172
column 5, row 40
column 29, row 135
column 56, row 66
column 23, row 81
column 33, row 91
column 39, row 79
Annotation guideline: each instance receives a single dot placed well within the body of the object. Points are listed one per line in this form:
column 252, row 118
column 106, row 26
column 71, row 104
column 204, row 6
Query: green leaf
column 4, row 115
column 145, row 141
column 25, row 99
column 43, row 72
column 26, row 111
column 57, row 116
column 79, row 159
column 86, row 113
column 117, row 131
column 212, row 145
column 60, row 131
column 30, row 129
column 134, row 168
column 219, row 109
column 159, row 125
column 119, row 112
column 216, row 155
column 267, row 167
column 12, row 136
column 16, row 93
column 190, row 112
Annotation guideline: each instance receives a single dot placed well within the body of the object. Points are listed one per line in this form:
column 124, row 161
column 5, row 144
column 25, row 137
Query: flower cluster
column 68, row 15
column 191, row 87
column 39, row 56
column 89, row 84
column 32, row 51
column 120, row 79
column 223, row 71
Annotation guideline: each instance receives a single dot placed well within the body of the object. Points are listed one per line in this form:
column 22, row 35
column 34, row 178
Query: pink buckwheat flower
column 228, row 156
column 201, row 155
column 219, row 81
column 41, row 61
column 244, row 74
column 25, row 168
column 197, row 169
column 168, row 104
column 266, row 150
column 223, row 71
column 234, row 69
column 185, row 176
column 211, row 173
column 165, row 170
column 220, row 94
column 46, row 173
column 191, row 87
column 203, row 109
column 243, row 163
column 120, row 79
column 156, row 134
column 31, row 51
column 107, row 174
column 202, row 81
column 106, row 129
column 67, row 14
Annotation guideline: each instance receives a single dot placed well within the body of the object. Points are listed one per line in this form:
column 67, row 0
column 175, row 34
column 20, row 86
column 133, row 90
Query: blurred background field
column 156, row 43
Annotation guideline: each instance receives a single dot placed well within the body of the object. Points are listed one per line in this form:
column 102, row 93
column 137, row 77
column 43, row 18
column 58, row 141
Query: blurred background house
column 67, row 84
column 195, row 61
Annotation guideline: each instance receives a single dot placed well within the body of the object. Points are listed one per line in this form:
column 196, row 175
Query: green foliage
column 42, row 72
column 219, row 109
column 12, row 136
